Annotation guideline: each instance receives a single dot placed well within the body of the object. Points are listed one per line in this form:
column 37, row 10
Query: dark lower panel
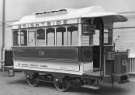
column 83, row 54
column 46, row 52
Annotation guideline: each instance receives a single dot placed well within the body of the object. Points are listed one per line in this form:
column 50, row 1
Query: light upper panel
column 66, row 16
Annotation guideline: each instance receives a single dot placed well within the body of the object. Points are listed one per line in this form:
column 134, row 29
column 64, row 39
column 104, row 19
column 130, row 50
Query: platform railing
column 131, row 66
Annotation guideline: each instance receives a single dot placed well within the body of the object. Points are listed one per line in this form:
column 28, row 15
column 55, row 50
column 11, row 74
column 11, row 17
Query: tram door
column 31, row 38
column 96, row 57
column 98, row 49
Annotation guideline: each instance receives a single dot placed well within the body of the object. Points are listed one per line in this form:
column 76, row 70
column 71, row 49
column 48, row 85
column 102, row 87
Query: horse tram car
column 68, row 47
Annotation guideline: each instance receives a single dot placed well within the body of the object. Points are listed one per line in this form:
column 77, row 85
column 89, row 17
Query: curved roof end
column 119, row 18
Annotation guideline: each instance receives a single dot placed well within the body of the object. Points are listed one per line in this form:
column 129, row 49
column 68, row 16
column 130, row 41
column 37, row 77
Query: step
column 91, row 87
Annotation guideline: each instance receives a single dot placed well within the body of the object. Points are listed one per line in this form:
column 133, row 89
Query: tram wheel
column 32, row 79
column 62, row 84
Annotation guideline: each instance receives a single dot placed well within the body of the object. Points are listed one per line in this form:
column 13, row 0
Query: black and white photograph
column 67, row 47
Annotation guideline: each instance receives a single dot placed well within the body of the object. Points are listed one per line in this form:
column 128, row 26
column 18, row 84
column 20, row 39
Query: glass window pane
column 31, row 38
column 96, row 37
column 65, row 38
column 69, row 38
column 50, row 39
column 50, row 36
column 40, row 37
column 23, row 37
column 106, row 37
column 15, row 38
column 40, row 34
column 87, row 29
column 74, row 37
column 59, row 38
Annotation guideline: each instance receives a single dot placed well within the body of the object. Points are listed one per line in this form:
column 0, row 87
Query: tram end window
column 15, row 38
column 96, row 37
column 87, row 29
column 106, row 38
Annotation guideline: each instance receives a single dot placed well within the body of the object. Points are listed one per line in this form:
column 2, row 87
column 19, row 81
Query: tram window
column 23, row 37
column 65, row 38
column 73, row 35
column 96, row 37
column 61, row 36
column 50, row 37
column 40, row 37
column 31, row 37
column 15, row 38
column 85, row 28
column 41, row 34
column 87, row 34
column 106, row 39
column 108, row 36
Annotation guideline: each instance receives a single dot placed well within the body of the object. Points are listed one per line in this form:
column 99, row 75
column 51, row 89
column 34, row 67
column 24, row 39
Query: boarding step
column 91, row 87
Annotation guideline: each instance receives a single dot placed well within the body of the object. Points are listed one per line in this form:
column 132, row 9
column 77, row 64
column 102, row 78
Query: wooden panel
column 121, row 62
column 53, row 59
column 85, row 40
column 46, row 52
column 86, row 54
column 131, row 65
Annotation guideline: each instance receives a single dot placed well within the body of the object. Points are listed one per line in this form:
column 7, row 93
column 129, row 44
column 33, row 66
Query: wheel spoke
column 31, row 79
column 62, row 84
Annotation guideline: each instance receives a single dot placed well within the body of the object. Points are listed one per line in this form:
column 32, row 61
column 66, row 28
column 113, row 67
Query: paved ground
column 17, row 86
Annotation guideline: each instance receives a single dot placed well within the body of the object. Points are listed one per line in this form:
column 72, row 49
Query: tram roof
column 88, row 12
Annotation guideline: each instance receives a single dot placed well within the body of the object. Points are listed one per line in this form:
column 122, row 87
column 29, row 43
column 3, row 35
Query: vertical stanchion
column 3, row 36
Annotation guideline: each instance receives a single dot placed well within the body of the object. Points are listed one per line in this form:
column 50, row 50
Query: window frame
column 15, row 37
column 42, row 37
column 47, row 35
column 23, row 37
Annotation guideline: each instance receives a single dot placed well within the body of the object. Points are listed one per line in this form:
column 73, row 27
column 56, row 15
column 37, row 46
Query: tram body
column 69, row 46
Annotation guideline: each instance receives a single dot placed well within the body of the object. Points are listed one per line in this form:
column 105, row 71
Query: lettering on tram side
column 36, row 66
column 43, row 66
column 24, row 65
column 33, row 65
column 48, row 23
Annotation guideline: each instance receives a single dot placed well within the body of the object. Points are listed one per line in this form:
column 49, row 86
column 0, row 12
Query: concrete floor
column 17, row 86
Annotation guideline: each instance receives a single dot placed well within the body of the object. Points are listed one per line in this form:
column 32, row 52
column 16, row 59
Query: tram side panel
column 47, row 59
column 71, row 60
